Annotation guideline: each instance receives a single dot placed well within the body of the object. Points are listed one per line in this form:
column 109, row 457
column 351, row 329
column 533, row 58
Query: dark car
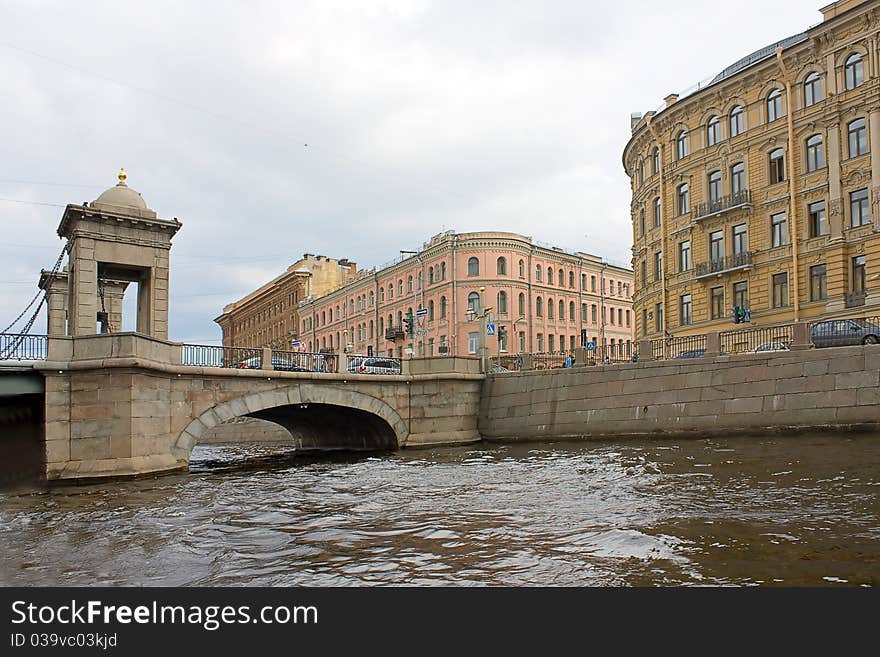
column 278, row 364
column 844, row 332
column 693, row 353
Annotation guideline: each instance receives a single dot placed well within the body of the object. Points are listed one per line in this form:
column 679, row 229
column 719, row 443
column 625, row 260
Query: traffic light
column 502, row 333
column 741, row 315
column 584, row 337
column 409, row 324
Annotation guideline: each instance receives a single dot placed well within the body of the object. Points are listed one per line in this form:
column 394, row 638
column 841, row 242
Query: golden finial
column 122, row 176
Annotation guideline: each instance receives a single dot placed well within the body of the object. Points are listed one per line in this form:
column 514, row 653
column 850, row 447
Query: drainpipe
column 792, row 190
column 580, row 285
column 531, row 314
column 662, row 174
column 376, row 337
column 454, row 345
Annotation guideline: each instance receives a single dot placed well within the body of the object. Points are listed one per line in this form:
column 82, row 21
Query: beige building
column 761, row 188
column 268, row 316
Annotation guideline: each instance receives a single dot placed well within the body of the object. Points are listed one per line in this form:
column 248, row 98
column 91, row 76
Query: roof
column 759, row 55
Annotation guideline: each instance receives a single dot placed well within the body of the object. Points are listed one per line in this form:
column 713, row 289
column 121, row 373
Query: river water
column 786, row 510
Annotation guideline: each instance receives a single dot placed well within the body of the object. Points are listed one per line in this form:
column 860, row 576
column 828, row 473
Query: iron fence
column 759, row 339
column 19, row 346
column 688, row 346
column 549, row 360
column 198, row 355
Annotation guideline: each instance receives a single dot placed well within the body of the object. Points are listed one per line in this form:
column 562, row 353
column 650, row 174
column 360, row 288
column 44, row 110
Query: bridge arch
column 325, row 403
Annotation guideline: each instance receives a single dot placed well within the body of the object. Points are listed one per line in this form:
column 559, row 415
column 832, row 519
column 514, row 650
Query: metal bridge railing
column 763, row 338
column 199, row 355
column 19, row 346
column 302, row 361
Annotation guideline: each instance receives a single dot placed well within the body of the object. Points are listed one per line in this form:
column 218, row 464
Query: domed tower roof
column 122, row 199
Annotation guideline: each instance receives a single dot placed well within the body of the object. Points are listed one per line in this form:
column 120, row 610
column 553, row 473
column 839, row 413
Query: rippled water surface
column 774, row 511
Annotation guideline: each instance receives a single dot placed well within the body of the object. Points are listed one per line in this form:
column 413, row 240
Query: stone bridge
column 122, row 405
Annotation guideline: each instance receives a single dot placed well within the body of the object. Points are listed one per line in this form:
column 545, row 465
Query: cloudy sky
column 349, row 129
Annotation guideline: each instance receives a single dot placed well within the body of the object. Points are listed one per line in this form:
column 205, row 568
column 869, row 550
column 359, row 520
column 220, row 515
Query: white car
column 771, row 346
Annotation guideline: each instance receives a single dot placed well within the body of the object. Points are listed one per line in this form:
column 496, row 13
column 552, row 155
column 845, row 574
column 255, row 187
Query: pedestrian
column 569, row 361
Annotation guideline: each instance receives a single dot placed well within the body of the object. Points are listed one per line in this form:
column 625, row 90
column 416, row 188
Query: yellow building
column 761, row 188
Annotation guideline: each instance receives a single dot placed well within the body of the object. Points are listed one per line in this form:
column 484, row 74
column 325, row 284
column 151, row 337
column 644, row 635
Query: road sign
column 421, row 312
column 490, row 329
column 421, row 332
column 590, row 346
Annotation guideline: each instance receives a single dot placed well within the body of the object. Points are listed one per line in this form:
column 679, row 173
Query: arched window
column 854, row 71
column 815, row 153
column 551, row 309
column 442, row 271
column 474, row 302
column 641, row 172
column 736, row 121
column 502, row 303
column 390, row 292
column 681, row 144
column 777, row 166
column 381, row 327
column 431, row 310
column 522, row 305
column 812, row 89
column 655, row 157
column 372, row 298
column 561, row 278
column 501, row 266
column 539, row 307
column 381, row 294
column 561, row 310
column 583, row 281
column 538, row 275
column 584, row 313
column 522, row 269
column 715, row 187
column 473, row 267
column 372, row 326
column 549, row 275
column 657, row 212
column 774, row 105
column 571, row 279
column 683, row 199
column 430, row 275
column 858, row 138
column 400, row 318
column 400, row 287
column 442, row 307
column 420, row 280
column 409, row 283
column 713, row 131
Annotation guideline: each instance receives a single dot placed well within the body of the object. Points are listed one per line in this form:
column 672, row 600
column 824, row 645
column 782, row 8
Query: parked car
column 379, row 366
column 693, row 353
column 354, row 363
column 771, row 346
column 279, row 364
column 844, row 332
column 496, row 369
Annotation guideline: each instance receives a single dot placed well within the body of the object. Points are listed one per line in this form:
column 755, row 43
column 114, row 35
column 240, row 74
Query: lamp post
column 482, row 314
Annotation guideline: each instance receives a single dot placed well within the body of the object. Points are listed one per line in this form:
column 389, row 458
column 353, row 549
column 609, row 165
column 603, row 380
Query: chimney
column 634, row 119
column 670, row 99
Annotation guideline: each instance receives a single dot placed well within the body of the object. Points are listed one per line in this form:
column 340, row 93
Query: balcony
column 854, row 299
column 395, row 333
column 741, row 199
column 724, row 265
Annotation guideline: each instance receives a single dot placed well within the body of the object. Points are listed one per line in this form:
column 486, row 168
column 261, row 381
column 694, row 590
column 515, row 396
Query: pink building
column 545, row 298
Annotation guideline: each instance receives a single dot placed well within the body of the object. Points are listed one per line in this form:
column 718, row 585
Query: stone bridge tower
column 112, row 242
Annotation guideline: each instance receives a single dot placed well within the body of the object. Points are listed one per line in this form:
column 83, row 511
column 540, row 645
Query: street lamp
column 482, row 314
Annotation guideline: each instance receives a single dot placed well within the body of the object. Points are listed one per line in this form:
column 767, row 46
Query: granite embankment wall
column 749, row 393
column 246, row 430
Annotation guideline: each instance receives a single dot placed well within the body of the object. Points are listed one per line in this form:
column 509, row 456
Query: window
column 657, row 212
column 774, row 105
column 474, row 302
column 740, row 239
column 522, row 269
column 561, row 310
column 592, row 283
column 442, row 307
column 551, row 343
column 549, row 275
column 430, row 275
column 550, row 310
column 409, row 284
column 714, row 186
column 860, row 215
column 684, row 256
column 540, row 342
column 777, row 166
column 561, row 278
column 780, row 290
column 815, row 153
column 431, row 310
column 539, row 307
column 818, row 283
column 716, row 302
column 854, row 72
column 858, row 138
column 818, row 219
column 741, row 294
column 612, row 316
column 736, row 121
column 522, row 342
column 400, row 287
column 538, row 275
column 658, row 317
column 584, row 313
column 501, row 266
column 628, row 319
column 571, row 311
column 683, row 200
column 858, row 274
column 681, row 144
column 502, row 302
column 778, row 230
column 713, row 131
column 442, row 271
column 686, row 310
column 473, row 342
column 812, row 90
column 658, row 265
column 641, row 172
column 738, row 178
column 473, row 267
column 522, row 305
column 594, row 313
column 655, row 157
column 716, row 245
column 571, row 280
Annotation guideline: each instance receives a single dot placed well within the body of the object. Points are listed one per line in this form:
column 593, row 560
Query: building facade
column 268, row 316
column 544, row 298
column 760, row 191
